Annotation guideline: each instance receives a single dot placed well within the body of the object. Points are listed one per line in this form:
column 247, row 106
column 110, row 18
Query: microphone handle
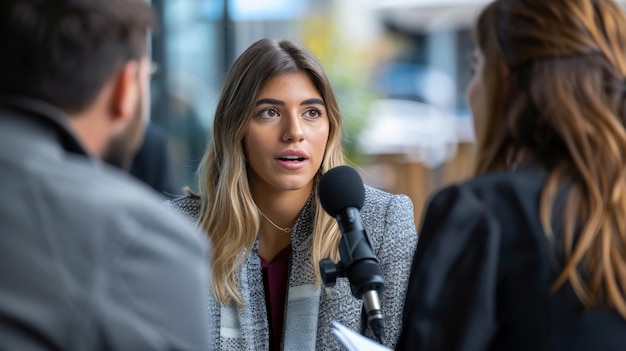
column 374, row 314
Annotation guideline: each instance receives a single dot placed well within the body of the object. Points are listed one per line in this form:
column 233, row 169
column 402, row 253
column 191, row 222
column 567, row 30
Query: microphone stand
column 360, row 266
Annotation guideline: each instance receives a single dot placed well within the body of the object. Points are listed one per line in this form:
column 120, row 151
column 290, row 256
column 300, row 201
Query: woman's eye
column 269, row 112
column 313, row 113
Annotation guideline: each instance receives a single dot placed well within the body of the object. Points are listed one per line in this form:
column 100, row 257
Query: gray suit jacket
column 89, row 258
column 388, row 222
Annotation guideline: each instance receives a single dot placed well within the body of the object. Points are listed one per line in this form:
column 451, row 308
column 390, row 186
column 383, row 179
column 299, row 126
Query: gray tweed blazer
column 389, row 224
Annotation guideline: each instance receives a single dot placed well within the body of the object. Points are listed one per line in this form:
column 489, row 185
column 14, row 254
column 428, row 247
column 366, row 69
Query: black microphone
column 342, row 195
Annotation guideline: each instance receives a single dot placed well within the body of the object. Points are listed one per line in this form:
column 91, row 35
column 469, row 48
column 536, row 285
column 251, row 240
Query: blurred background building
column 399, row 68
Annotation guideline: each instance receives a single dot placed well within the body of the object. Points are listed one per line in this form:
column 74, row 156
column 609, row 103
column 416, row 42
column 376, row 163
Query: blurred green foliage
column 349, row 69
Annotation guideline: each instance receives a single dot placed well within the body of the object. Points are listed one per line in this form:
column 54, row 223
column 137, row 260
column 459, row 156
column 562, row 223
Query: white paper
column 354, row 341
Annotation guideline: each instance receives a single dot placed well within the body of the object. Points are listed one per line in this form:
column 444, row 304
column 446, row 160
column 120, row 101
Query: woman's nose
column 293, row 131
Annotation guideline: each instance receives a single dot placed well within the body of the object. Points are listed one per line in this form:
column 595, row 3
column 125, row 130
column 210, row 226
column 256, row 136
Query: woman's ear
column 125, row 94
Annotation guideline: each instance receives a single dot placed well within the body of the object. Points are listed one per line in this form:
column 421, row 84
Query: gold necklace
column 286, row 230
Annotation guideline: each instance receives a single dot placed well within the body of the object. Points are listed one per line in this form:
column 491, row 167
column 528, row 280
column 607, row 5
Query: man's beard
column 122, row 148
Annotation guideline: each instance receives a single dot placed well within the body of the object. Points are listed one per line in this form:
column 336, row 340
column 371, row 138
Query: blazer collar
column 45, row 114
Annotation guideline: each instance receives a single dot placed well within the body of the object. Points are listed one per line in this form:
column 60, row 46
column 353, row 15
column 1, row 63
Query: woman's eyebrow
column 312, row 102
column 270, row 101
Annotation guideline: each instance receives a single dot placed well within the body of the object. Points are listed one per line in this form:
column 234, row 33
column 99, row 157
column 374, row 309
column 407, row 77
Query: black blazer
column 482, row 270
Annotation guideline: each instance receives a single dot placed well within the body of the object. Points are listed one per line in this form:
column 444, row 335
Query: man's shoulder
column 90, row 203
column 101, row 193
column 98, row 182
column 61, row 189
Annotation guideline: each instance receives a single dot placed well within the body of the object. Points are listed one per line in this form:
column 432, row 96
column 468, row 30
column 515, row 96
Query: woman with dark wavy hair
column 531, row 253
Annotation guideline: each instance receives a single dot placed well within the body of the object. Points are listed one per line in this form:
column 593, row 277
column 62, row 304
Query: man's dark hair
column 64, row 51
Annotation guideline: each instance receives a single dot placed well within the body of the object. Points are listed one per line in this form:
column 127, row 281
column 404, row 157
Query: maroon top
column 275, row 283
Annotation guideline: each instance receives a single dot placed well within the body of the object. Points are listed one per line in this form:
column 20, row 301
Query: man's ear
column 125, row 93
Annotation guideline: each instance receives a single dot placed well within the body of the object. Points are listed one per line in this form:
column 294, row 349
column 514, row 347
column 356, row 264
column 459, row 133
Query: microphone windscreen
column 340, row 188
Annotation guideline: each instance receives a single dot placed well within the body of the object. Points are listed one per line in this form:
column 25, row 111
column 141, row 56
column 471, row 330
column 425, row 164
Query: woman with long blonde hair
column 531, row 253
column 277, row 129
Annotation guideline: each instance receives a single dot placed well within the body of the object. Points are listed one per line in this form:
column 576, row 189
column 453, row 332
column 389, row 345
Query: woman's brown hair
column 562, row 100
